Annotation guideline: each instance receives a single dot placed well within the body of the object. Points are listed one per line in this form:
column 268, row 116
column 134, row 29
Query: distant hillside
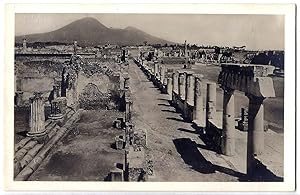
column 90, row 32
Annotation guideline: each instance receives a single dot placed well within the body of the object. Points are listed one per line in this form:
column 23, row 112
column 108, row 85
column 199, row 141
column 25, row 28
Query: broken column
column 228, row 138
column 198, row 115
column 170, row 88
column 211, row 99
column 190, row 88
column 162, row 73
column 58, row 108
column 37, row 116
column 156, row 73
column 181, row 83
column 175, row 87
column 189, row 99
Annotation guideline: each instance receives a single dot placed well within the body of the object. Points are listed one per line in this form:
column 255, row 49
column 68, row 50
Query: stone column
column 211, row 100
column 255, row 141
column 37, row 116
column 170, row 88
column 228, row 138
column 156, row 73
column 175, row 82
column 198, row 103
column 162, row 73
column 190, row 88
column 181, row 83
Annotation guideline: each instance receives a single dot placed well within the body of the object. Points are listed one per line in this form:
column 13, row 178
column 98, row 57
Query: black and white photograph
column 149, row 97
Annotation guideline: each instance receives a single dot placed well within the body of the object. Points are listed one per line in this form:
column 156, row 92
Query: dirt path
column 174, row 144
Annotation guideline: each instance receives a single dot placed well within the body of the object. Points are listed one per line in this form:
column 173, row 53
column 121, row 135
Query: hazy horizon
column 256, row 32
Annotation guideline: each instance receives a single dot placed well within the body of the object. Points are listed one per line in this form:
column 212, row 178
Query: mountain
column 90, row 32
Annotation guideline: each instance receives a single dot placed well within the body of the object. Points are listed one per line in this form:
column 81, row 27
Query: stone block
column 140, row 138
column 117, row 174
column 119, row 141
column 118, row 123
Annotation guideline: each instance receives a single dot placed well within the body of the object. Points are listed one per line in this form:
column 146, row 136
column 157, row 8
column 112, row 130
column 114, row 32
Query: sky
column 256, row 32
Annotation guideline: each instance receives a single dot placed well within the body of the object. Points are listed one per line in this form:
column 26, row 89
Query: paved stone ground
column 178, row 152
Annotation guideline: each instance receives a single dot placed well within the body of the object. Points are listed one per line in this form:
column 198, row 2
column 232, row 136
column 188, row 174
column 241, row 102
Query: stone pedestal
column 228, row 138
column 199, row 114
column 211, row 100
column 117, row 174
column 37, row 116
column 181, row 83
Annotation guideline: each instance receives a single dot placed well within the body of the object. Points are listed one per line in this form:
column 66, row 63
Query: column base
column 40, row 137
column 38, row 134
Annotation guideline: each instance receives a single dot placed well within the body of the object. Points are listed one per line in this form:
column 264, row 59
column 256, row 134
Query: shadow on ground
column 172, row 111
column 168, row 105
column 189, row 152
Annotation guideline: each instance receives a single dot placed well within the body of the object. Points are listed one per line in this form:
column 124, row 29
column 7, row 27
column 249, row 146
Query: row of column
column 188, row 87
